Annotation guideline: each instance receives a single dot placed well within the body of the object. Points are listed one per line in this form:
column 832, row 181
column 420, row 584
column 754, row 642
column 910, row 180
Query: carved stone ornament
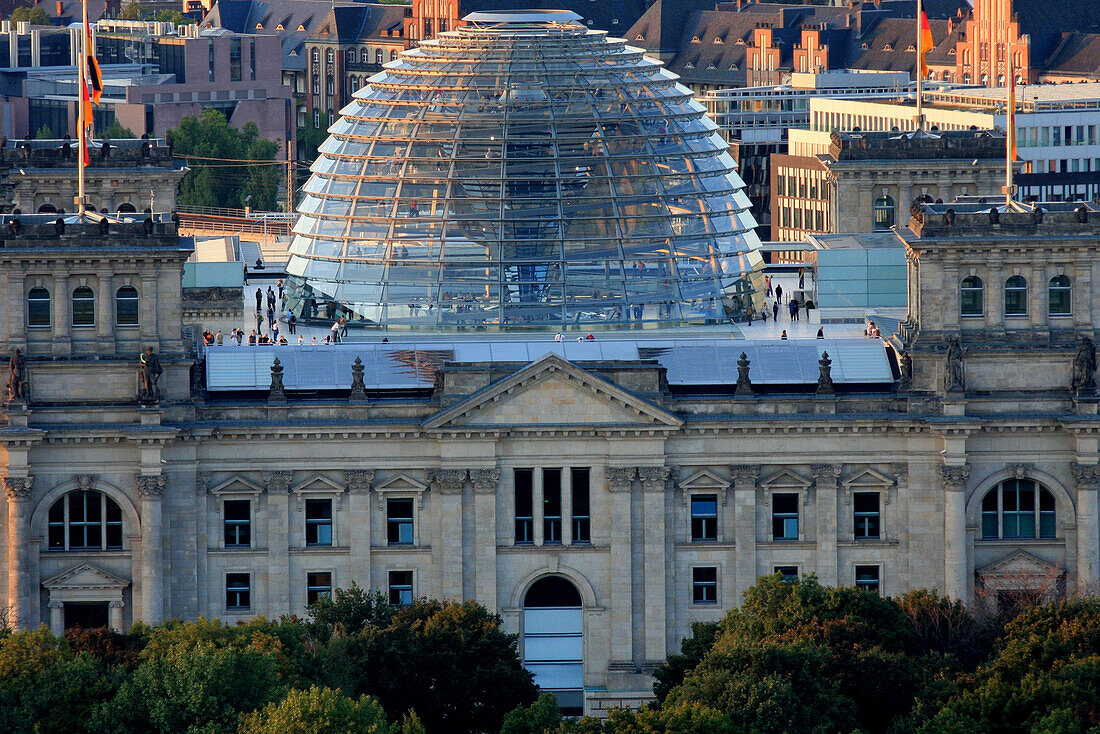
column 149, row 372
column 447, row 481
column 1086, row 476
column 150, row 486
column 955, row 477
column 905, row 367
column 1083, row 381
column 954, row 375
column 901, row 471
column 653, row 478
column 620, row 478
column 86, row 482
column 18, row 489
column 485, row 481
column 744, row 384
column 825, row 379
column 276, row 395
column 278, row 481
column 1020, row 471
column 18, row 390
column 202, row 481
column 745, row 475
column 358, row 387
column 826, row 472
column 359, row 481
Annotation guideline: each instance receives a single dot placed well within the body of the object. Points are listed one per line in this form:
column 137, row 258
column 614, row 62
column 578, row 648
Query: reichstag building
column 599, row 495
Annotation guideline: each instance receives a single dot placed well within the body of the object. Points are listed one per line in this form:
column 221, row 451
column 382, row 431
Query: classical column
column 744, row 534
column 486, row 484
column 825, row 479
column 357, row 527
column 1086, row 480
column 21, row 588
column 151, row 490
column 654, row 480
column 114, row 614
column 277, row 595
column 620, row 482
column 148, row 307
column 447, row 485
column 62, row 318
column 57, row 617
column 105, row 296
column 954, row 530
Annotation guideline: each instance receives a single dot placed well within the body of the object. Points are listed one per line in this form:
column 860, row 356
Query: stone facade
column 659, row 507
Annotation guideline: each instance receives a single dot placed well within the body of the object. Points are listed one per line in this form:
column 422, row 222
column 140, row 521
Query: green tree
column 192, row 689
column 692, row 650
column 115, row 131
column 133, row 11
column 44, row 133
column 318, row 711
column 173, row 16
column 541, row 716
column 227, row 181
column 310, row 138
column 34, row 14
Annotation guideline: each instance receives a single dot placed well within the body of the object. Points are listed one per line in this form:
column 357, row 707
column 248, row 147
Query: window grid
column 238, row 523
column 84, row 521
column 866, row 514
column 704, row 585
column 867, row 578
column 318, row 586
column 399, row 522
column 1018, row 509
column 971, row 296
column 789, row 573
column 1016, row 296
column 581, row 506
column 38, row 307
column 1058, row 296
column 704, row 517
column 238, row 591
column 83, row 307
column 785, row 516
column 524, row 496
column 401, row 587
column 126, row 306
column 551, row 506
column 319, row 522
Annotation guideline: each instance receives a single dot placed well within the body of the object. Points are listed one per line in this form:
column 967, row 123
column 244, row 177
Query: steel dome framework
column 522, row 172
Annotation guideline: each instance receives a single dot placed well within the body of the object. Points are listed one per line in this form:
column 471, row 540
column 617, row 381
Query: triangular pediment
column 1019, row 565
column 401, row 483
column 868, row 478
column 553, row 392
column 236, row 484
column 85, row 576
column 704, row 479
column 785, row 479
column 317, row 483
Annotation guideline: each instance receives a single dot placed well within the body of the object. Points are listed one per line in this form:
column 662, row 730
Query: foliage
column 44, row 133
column 115, row 131
column 310, row 138
column 692, row 650
column 33, row 14
column 318, row 711
column 173, row 16
column 225, row 183
column 541, row 716
column 132, row 11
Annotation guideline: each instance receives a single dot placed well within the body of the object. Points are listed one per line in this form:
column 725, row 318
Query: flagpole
column 82, row 124
column 920, row 63
column 1010, row 129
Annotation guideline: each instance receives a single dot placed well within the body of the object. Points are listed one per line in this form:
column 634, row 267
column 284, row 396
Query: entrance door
column 88, row 615
column 553, row 641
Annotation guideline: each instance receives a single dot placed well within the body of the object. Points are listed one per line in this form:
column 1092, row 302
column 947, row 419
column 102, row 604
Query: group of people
column 872, row 331
column 559, row 337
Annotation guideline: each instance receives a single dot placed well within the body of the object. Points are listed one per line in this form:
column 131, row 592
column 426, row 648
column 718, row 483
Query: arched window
column 126, row 306
column 83, row 306
column 316, row 117
column 329, row 85
column 85, row 520
column 884, row 212
column 329, row 56
column 351, row 55
column 1016, row 296
column 1018, row 508
column 378, row 56
column 126, row 208
column 316, row 83
column 315, row 55
column 393, row 55
column 1058, row 294
column 364, row 56
column 38, row 307
column 971, row 296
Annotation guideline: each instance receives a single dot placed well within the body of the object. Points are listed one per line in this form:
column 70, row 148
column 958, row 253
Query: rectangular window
column 318, row 586
column 401, row 587
column 238, row 591
column 211, row 47
column 525, row 513
column 704, row 585
column 399, row 522
column 582, row 512
column 252, row 58
column 867, row 518
column 551, row 506
column 789, row 573
column 318, row 522
column 238, row 523
column 867, row 578
column 704, row 517
column 785, row 516
column 234, row 59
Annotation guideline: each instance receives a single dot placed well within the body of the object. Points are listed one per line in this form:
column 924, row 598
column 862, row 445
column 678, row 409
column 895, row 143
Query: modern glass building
column 523, row 172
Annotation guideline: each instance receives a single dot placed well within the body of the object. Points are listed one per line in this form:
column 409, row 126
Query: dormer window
column 864, row 46
column 711, row 67
column 696, row 39
column 910, row 47
column 639, row 37
column 301, row 28
column 279, row 27
column 739, row 42
column 888, row 47
column 719, row 40
column 689, row 65
column 259, row 26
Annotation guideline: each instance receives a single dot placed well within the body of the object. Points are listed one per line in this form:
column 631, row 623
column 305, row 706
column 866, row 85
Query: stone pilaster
column 955, row 479
column 620, row 482
column 354, row 528
column 57, row 617
column 114, row 615
column 273, row 591
column 22, row 604
column 447, row 485
column 744, row 532
column 486, row 484
column 151, row 490
column 825, row 480
column 654, row 481
column 1086, row 480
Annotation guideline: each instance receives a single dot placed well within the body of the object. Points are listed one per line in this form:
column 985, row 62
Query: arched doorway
column 553, row 641
column 126, row 208
column 47, row 209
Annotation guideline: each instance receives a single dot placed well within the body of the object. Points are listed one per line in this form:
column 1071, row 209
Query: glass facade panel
column 574, row 181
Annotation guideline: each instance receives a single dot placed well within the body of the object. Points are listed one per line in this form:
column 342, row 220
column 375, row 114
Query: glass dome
column 523, row 172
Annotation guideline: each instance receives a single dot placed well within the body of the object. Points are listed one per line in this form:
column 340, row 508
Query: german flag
column 926, row 45
column 93, row 66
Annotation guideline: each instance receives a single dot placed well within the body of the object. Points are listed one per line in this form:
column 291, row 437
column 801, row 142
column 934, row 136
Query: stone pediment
column 552, row 392
column 400, row 483
column 85, row 576
column 704, row 479
column 1018, row 565
column 236, row 484
column 785, row 479
column 868, row 478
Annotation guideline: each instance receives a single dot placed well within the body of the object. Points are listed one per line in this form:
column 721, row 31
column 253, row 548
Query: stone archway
column 47, row 209
column 553, row 640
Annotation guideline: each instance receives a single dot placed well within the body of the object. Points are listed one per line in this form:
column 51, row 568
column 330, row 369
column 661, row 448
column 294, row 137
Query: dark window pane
column 126, row 306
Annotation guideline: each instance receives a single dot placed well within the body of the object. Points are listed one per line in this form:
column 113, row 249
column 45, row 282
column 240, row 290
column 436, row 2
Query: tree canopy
column 34, row 14
column 229, row 180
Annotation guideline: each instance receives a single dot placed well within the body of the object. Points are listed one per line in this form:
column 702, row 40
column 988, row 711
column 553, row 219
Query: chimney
column 60, row 8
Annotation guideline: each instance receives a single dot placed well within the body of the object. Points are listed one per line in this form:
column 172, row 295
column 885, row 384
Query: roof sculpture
column 523, row 172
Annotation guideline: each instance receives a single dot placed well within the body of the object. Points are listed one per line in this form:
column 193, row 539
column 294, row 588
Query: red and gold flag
column 926, row 44
column 94, row 75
